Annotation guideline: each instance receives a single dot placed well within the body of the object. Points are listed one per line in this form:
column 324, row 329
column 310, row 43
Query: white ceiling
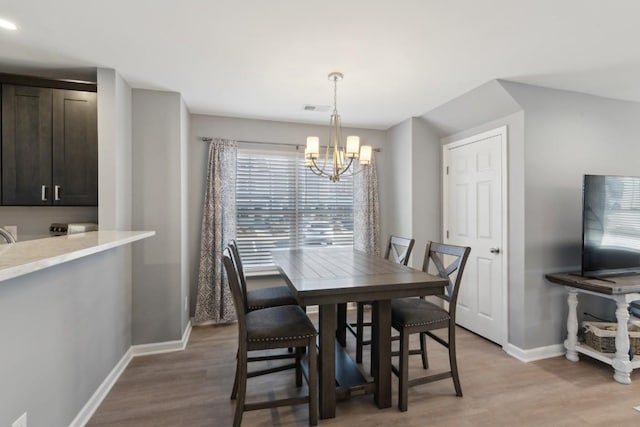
column 266, row 59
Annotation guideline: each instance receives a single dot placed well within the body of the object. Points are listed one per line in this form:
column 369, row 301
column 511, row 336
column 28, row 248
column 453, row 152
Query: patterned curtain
column 366, row 209
column 214, row 303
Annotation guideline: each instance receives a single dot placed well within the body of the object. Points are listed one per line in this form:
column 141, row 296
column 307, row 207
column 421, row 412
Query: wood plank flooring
column 192, row 387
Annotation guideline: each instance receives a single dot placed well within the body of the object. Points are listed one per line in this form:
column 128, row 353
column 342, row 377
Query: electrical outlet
column 20, row 422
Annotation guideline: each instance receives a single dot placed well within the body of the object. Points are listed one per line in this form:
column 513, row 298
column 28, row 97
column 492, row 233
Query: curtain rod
column 209, row 139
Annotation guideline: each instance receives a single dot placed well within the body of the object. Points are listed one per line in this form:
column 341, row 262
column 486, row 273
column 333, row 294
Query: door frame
column 504, row 250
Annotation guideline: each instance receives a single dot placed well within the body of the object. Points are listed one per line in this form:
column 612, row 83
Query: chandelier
column 342, row 152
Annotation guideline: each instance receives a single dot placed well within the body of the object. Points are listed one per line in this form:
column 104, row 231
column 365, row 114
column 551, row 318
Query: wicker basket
column 601, row 336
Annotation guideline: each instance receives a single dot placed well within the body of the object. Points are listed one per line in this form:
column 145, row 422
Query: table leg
column 382, row 363
column 621, row 362
column 327, row 320
column 572, row 326
column 341, row 331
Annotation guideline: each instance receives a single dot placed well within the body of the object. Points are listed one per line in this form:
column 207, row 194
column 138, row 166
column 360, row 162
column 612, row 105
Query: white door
column 474, row 215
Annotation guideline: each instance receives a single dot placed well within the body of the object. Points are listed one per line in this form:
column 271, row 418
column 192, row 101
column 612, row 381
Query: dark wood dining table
column 333, row 276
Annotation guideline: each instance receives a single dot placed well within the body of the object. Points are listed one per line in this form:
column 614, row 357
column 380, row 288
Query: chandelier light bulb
column 313, row 147
column 353, row 146
column 365, row 155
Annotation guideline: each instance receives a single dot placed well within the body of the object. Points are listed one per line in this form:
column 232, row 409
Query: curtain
column 366, row 209
column 214, row 303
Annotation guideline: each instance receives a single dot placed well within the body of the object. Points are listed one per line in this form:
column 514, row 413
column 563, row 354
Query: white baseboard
column 534, row 354
column 103, row 389
column 163, row 347
column 101, row 392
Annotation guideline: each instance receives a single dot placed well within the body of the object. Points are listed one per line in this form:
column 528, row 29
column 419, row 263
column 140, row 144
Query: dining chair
column 398, row 250
column 271, row 328
column 262, row 297
column 263, row 300
column 417, row 315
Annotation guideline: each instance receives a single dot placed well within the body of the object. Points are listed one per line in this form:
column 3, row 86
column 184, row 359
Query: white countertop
column 25, row 257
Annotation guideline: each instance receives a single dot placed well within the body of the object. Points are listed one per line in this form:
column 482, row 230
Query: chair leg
column 234, row 391
column 313, row 384
column 403, row 378
column 341, row 329
column 423, row 350
column 359, row 331
column 242, row 387
column 452, row 360
column 298, row 367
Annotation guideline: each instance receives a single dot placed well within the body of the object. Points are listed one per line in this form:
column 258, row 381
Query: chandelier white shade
column 342, row 150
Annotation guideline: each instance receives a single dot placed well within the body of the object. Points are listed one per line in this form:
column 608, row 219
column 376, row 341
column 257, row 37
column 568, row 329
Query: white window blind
column 280, row 204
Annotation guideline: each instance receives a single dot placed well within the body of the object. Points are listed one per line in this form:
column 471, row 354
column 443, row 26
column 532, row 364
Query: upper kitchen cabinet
column 49, row 146
column 75, row 148
column 26, row 145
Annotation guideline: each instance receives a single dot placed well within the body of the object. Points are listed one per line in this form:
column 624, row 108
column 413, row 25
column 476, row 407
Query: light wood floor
column 191, row 388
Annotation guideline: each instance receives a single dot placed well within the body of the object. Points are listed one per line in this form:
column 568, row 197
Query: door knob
column 494, row 250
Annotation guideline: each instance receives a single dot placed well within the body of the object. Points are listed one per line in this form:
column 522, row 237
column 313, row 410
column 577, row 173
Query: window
column 280, row 204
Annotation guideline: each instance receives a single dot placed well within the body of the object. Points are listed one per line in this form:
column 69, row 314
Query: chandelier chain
column 335, row 94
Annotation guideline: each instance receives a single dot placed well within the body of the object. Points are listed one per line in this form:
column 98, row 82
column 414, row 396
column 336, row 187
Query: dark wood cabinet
column 74, row 148
column 26, row 145
column 49, row 147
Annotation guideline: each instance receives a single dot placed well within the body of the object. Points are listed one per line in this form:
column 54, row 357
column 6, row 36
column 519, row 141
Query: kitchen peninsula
column 25, row 257
column 65, row 323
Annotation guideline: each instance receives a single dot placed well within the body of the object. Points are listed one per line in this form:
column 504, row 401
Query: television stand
column 604, row 279
column 622, row 290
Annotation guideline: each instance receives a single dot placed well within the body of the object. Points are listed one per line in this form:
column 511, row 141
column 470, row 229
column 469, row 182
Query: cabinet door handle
column 56, row 193
column 44, row 193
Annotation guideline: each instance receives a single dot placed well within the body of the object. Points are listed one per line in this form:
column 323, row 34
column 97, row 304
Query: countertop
column 26, row 257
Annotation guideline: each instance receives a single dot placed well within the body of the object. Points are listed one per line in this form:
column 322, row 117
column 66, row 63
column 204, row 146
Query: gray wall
column 413, row 182
column 398, row 182
column 158, row 188
column 185, row 214
column 426, row 159
column 567, row 135
column 253, row 130
column 62, row 330
column 114, row 151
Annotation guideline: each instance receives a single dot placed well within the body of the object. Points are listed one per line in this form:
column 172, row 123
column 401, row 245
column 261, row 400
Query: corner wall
column 426, row 220
column 185, row 213
column 114, row 151
column 398, row 185
column 158, row 185
column 413, row 185
column 567, row 135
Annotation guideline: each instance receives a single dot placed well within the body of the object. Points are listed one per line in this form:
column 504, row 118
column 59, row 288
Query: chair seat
column 408, row 312
column 278, row 327
column 269, row 297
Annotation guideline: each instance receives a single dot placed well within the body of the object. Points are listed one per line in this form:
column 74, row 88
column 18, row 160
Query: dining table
column 330, row 277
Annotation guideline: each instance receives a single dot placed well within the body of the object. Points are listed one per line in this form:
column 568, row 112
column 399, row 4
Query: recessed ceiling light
column 7, row 25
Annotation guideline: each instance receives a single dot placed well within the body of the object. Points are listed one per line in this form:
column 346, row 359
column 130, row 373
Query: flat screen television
column 610, row 225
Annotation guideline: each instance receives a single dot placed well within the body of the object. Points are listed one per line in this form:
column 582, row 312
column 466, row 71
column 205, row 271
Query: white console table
column 622, row 290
